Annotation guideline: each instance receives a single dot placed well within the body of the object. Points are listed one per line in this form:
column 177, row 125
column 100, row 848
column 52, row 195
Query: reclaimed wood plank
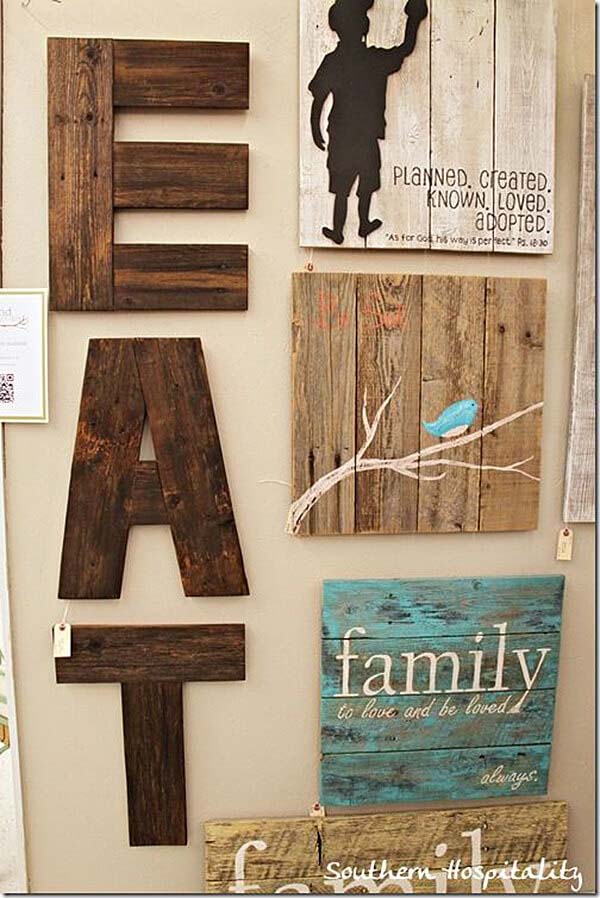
column 580, row 479
column 396, row 729
column 388, row 348
column 452, row 369
column 299, row 850
column 462, row 119
column 180, row 176
column 514, row 380
column 406, row 886
column 178, row 401
column 200, row 74
column 324, row 386
column 442, row 671
column 525, row 47
column 440, row 607
column 174, row 277
column 80, row 173
column 154, row 763
column 147, row 500
column 107, row 449
column 159, row 654
column 353, row 779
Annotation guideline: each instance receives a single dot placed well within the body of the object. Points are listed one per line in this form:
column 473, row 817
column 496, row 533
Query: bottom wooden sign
column 495, row 850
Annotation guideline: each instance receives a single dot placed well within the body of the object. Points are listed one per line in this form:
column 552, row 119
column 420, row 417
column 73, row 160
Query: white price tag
column 564, row 551
column 62, row 640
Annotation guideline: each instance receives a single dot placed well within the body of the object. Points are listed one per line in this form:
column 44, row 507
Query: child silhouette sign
column 357, row 77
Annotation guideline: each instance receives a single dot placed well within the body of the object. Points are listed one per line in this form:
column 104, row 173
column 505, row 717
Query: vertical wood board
column 580, row 481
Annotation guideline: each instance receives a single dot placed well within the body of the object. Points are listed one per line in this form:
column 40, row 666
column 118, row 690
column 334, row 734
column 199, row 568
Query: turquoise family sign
column 438, row 689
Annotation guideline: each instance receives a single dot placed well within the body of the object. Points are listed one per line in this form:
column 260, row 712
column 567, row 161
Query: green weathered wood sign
column 438, row 689
column 519, row 849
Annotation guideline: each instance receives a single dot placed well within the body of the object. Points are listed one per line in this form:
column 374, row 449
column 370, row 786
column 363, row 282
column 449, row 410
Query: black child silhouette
column 357, row 77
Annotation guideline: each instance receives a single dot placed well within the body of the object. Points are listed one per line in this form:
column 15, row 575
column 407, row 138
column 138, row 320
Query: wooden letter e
column 111, row 489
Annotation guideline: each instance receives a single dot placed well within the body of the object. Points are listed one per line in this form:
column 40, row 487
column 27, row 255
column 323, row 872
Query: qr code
column 7, row 387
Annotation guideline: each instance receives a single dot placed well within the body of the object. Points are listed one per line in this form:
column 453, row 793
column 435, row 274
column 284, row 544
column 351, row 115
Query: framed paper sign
column 24, row 356
column 438, row 689
column 428, row 124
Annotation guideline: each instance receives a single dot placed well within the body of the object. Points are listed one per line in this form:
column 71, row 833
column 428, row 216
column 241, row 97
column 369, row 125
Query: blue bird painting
column 454, row 420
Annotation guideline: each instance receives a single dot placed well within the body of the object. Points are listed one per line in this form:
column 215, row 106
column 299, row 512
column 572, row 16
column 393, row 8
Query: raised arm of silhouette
column 356, row 75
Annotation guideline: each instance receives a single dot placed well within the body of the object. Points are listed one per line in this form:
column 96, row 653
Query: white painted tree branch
column 404, row 466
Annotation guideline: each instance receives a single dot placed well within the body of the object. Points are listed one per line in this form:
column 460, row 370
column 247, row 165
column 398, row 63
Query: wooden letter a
column 111, row 489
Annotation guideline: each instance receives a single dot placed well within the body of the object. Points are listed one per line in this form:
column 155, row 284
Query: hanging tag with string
column 62, row 636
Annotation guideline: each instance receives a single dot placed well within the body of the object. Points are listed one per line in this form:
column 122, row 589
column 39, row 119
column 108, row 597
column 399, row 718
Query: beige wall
column 251, row 749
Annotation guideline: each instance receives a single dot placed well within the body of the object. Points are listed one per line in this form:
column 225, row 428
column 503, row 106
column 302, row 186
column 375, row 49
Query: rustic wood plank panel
column 395, row 729
column 388, row 350
column 462, row 118
column 436, row 716
column 525, row 123
column 155, row 763
column 417, row 887
column 177, row 395
column 414, row 608
column 80, row 173
column 580, row 480
column 180, row 176
column 172, row 277
column 147, row 500
column 274, row 853
column 442, row 672
column 353, row 779
column 202, row 74
column 159, row 654
column 514, row 380
column 451, row 371
column 107, row 449
column 324, row 385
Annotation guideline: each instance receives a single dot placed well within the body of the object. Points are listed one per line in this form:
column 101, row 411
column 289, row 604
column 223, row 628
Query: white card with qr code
column 24, row 356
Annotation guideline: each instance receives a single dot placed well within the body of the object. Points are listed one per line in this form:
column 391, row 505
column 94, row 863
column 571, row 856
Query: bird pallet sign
column 520, row 849
column 417, row 404
column 439, row 116
column 438, row 689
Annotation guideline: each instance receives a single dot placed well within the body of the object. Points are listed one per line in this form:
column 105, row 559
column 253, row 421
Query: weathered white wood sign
column 438, row 689
column 499, row 850
column 441, row 115
column 580, row 485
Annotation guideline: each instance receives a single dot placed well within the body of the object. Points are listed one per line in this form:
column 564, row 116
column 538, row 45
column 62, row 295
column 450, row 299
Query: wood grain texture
column 437, row 716
column 168, row 381
column 451, row 370
column 174, row 277
column 180, row 176
column 416, row 346
column 580, row 479
column 107, row 449
column 525, row 94
column 155, row 763
column 299, row 850
column 353, row 779
column 192, row 473
column 514, row 379
column 408, row 609
column 324, row 386
column 200, row 74
column 388, row 346
column 462, row 113
column 157, row 654
column 80, row 173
